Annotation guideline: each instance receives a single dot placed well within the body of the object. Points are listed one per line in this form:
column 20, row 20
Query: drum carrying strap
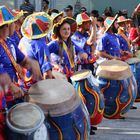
column 68, row 54
column 121, row 32
column 16, row 66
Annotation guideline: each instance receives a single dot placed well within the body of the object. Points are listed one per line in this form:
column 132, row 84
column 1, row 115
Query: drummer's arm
column 33, row 66
column 104, row 54
column 126, row 53
column 92, row 37
column 48, row 75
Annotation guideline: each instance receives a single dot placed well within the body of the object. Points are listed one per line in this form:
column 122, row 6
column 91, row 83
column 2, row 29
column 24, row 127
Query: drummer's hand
column 83, row 56
column 33, row 66
column 93, row 54
column 4, row 79
column 48, row 75
column 118, row 58
column 35, row 69
column 16, row 91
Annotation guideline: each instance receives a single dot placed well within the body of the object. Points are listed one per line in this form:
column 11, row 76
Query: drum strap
column 68, row 54
column 16, row 66
column 121, row 32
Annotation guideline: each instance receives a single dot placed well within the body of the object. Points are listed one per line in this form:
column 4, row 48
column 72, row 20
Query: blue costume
column 64, row 61
column 5, row 61
column 16, row 38
column 123, row 43
column 37, row 50
column 7, row 66
column 110, row 44
column 80, row 40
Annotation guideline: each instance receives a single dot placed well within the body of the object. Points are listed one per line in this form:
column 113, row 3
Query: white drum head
column 80, row 75
column 55, row 97
column 133, row 60
column 25, row 118
column 114, row 70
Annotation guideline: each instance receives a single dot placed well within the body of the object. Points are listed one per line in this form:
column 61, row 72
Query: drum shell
column 89, row 91
column 66, row 115
column 11, row 135
column 36, row 132
column 119, row 96
column 69, row 126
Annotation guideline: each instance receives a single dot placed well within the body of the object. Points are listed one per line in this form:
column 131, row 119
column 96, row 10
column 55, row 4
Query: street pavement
column 127, row 129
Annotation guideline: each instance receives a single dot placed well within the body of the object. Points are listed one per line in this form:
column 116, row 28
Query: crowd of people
column 32, row 44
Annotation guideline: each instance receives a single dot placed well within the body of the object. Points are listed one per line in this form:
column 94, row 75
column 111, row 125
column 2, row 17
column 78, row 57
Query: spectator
column 69, row 11
column 136, row 15
column 108, row 12
column 95, row 13
column 27, row 7
column 83, row 10
column 100, row 27
column 45, row 6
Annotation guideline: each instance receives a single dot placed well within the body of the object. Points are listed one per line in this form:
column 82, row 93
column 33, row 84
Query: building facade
column 89, row 4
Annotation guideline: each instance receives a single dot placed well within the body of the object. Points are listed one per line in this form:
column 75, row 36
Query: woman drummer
column 63, row 48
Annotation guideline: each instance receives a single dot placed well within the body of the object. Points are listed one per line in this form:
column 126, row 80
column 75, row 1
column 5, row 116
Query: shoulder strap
column 68, row 54
column 16, row 66
column 121, row 33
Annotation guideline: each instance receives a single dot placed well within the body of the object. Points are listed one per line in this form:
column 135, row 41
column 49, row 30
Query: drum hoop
column 81, row 78
column 61, row 113
column 130, row 63
column 113, row 75
column 28, row 130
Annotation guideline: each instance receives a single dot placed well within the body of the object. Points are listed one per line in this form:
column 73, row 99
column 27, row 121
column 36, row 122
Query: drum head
column 133, row 60
column 55, row 97
column 114, row 70
column 59, row 75
column 80, row 75
column 25, row 118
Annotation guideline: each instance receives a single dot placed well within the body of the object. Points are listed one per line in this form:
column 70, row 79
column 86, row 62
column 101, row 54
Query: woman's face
column 65, row 31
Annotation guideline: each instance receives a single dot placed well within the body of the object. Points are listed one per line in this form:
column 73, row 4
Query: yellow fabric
column 121, row 32
column 68, row 54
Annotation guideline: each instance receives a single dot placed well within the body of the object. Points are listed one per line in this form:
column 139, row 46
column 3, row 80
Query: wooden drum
column 66, row 115
column 88, row 88
column 118, row 85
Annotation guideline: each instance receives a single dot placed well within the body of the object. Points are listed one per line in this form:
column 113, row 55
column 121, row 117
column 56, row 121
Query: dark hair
column 27, row 1
column 100, row 19
column 95, row 13
column 47, row 2
column 53, row 11
column 69, row 7
column 1, row 27
column 60, row 41
column 108, row 11
column 83, row 9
